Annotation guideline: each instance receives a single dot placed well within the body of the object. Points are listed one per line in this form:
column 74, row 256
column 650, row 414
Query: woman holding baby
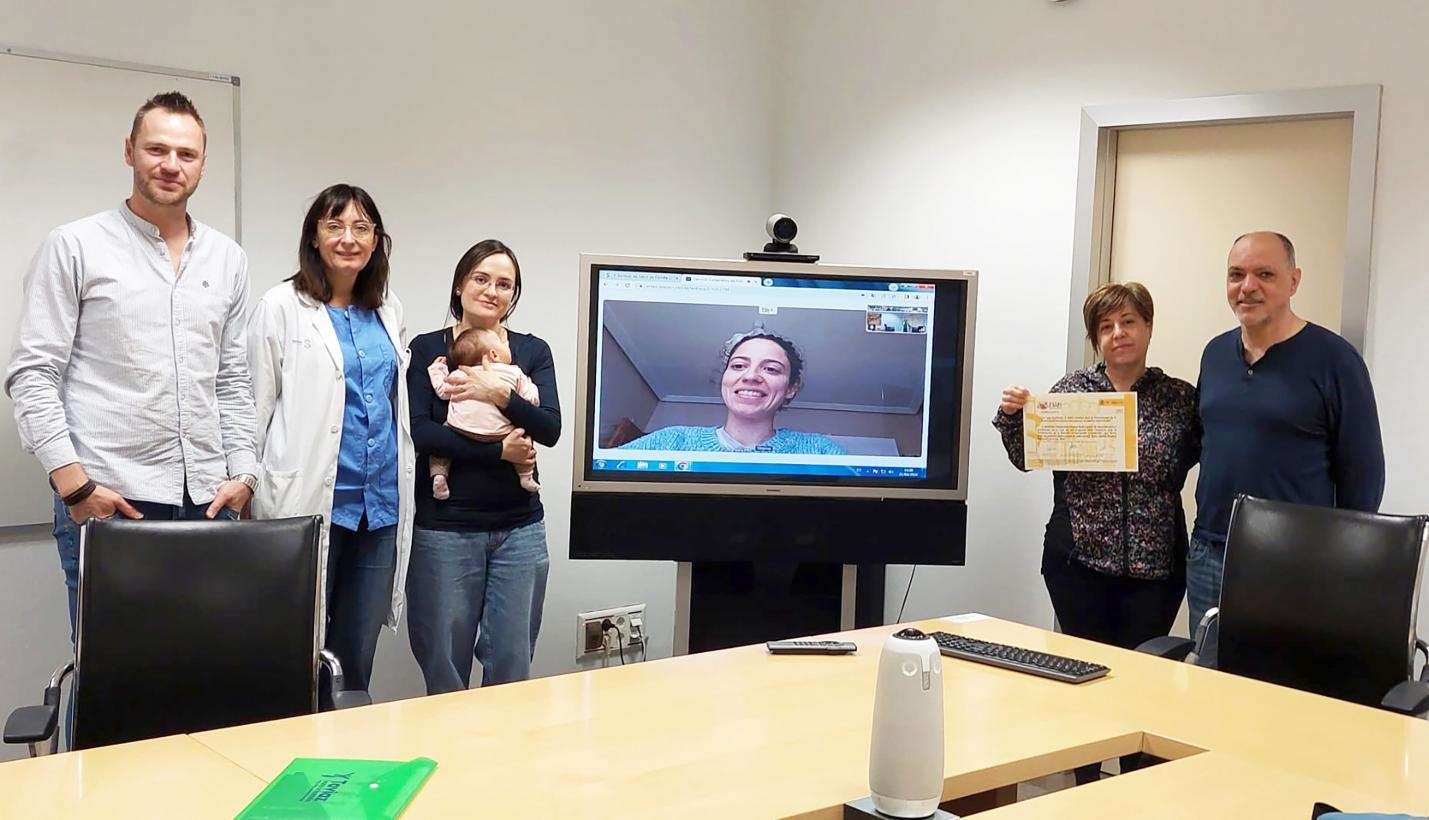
column 480, row 396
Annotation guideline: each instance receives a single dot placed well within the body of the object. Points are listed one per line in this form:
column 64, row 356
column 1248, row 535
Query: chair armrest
column 32, row 724
column 350, row 698
column 1408, row 697
column 1420, row 645
column 1168, row 646
column 342, row 697
column 1203, row 629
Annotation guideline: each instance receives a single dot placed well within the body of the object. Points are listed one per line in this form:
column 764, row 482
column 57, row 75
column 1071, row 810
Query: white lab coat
column 299, row 390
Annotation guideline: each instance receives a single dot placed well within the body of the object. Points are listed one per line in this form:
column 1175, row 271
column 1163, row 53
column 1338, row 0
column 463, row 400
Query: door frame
column 1096, row 184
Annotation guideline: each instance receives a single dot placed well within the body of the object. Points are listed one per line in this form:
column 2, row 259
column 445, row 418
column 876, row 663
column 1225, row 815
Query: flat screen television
column 810, row 395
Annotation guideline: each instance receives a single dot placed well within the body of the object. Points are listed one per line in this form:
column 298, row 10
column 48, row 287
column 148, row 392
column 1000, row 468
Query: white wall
column 615, row 127
column 940, row 134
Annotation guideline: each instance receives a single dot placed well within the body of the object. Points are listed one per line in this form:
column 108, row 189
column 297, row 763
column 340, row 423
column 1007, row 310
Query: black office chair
column 1322, row 600
column 186, row 626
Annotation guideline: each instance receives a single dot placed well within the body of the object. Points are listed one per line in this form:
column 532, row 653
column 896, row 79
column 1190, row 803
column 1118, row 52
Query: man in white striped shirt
column 129, row 373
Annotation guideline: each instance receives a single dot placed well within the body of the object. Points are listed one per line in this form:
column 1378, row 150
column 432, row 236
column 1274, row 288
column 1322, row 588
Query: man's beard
column 150, row 190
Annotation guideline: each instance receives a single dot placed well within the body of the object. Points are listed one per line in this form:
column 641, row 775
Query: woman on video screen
column 762, row 373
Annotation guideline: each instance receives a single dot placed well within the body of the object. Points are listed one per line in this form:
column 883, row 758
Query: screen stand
column 720, row 604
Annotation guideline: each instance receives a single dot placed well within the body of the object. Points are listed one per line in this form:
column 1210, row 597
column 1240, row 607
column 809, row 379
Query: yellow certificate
column 1093, row 432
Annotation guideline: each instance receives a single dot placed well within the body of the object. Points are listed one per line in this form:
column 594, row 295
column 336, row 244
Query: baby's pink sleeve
column 526, row 389
column 438, row 373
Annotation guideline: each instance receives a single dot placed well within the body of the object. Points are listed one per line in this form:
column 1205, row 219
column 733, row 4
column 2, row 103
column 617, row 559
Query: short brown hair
column 1111, row 297
column 174, row 102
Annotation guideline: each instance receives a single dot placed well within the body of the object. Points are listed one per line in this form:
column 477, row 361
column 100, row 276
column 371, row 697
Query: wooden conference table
column 739, row 733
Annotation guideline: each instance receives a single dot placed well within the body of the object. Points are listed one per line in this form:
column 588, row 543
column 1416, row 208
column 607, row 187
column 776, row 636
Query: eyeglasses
column 333, row 229
column 482, row 281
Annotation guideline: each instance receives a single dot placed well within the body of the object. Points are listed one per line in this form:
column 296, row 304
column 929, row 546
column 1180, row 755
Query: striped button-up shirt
column 138, row 374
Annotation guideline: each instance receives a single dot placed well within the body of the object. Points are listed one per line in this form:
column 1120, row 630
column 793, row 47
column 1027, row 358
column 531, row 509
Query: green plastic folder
column 314, row 787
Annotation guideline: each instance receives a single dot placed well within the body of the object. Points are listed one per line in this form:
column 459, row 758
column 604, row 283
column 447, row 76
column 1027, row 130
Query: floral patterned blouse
column 1124, row 524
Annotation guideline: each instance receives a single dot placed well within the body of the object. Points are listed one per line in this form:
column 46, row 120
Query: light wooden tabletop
column 171, row 777
column 740, row 733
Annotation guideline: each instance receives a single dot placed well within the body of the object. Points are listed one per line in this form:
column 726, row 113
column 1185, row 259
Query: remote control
column 811, row 647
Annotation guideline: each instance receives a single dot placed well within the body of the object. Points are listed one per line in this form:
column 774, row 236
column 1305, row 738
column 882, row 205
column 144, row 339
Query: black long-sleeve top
column 486, row 494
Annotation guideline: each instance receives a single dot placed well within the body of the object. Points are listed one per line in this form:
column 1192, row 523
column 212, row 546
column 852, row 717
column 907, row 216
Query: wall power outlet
column 628, row 621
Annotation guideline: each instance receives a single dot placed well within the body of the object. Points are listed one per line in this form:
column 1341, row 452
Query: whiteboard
column 62, row 159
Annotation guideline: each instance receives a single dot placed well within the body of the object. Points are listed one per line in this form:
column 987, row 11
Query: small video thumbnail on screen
column 847, row 380
column 897, row 319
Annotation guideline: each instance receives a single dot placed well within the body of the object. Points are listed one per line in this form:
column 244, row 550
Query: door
column 1183, row 194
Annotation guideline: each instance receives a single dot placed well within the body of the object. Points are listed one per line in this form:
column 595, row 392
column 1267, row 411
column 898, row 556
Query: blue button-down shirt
column 367, row 457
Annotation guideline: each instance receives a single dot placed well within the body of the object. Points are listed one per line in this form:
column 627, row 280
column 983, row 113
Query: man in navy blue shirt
column 1287, row 413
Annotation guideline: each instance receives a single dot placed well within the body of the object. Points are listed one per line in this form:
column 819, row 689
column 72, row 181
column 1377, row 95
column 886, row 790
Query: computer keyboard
column 1055, row 667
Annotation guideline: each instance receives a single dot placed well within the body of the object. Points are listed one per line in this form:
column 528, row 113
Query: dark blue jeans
column 360, row 566
column 67, row 540
column 460, row 584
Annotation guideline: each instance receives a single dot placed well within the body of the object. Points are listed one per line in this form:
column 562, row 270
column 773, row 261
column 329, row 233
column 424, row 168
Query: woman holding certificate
column 1114, row 556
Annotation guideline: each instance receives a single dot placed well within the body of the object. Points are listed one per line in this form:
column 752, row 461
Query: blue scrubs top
column 367, row 458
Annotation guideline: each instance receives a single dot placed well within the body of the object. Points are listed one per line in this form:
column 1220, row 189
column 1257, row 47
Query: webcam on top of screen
column 781, row 229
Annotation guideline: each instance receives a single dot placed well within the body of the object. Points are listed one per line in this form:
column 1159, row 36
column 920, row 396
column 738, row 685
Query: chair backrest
column 1320, row 599
column 192, row 625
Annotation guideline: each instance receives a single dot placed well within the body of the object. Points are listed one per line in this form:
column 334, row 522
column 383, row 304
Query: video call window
column 896, row 319
column 719, row 373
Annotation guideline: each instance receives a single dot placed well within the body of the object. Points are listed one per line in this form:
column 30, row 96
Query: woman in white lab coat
column 328, row 353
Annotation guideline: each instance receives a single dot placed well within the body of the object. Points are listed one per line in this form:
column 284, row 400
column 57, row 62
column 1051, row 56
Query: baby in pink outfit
column 480, row 420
